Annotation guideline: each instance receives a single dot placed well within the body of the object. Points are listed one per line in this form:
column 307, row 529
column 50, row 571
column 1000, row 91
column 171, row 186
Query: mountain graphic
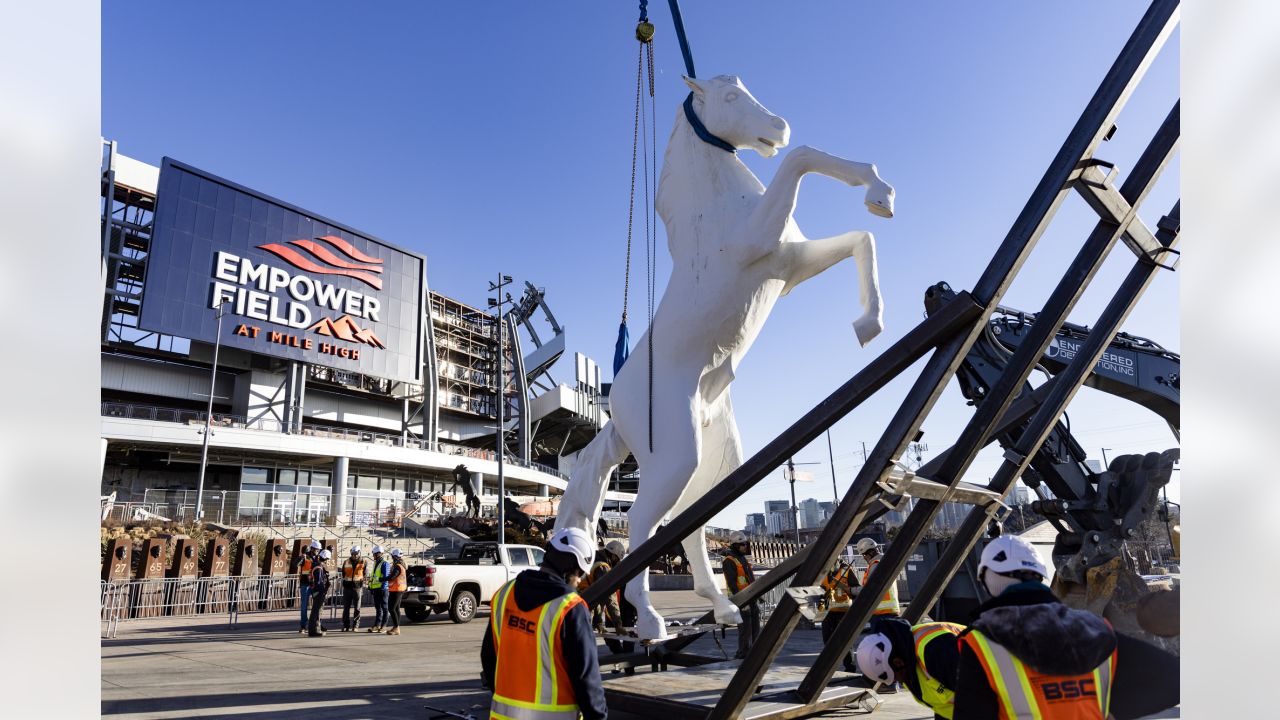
column 345, row 328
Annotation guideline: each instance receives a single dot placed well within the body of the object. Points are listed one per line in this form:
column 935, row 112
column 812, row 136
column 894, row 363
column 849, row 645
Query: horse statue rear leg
column 721, row 455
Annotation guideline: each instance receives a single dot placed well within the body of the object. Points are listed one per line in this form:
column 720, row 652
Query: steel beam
column 982, row 426
column 960, row 313
column 1066, row 384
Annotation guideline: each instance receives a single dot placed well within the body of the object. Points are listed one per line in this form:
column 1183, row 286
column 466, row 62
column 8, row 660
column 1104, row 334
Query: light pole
column 497, row 302
column 204, row 446
column 1105, row 464
column 835, row 493
column 222, row 506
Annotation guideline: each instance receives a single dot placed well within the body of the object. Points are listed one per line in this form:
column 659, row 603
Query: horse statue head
column 729, row 112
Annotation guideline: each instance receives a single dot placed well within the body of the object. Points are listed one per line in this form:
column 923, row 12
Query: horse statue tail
column 584, row 497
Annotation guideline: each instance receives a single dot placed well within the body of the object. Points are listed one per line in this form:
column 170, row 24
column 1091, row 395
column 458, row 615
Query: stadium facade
column 345, row 389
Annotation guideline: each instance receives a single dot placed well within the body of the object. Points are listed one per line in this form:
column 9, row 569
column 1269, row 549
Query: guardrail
column 197, row 417
column 135, row 600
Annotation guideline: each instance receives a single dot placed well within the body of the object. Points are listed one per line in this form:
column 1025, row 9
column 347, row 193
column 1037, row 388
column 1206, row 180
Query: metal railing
column 193, row 597
column 196, row 417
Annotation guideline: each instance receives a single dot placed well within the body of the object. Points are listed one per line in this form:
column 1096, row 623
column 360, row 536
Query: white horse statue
column 735, row 250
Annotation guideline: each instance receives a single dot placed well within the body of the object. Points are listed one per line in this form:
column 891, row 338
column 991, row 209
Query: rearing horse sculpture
column 735, row 250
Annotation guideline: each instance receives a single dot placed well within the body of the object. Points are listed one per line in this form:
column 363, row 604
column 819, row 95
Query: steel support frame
column 1066, row 384
column 1090, row 130
column 981, row 426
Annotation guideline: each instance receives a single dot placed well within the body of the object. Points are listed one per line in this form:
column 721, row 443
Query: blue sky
column 497, row 137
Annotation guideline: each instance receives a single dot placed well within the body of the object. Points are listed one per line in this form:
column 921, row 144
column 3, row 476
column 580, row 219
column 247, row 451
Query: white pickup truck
column 459, row 586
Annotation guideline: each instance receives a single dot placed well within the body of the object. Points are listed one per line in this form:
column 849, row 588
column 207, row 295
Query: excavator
column 1096, row 514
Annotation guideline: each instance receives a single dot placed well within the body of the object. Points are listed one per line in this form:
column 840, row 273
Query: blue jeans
column 380, row 615
column 306, row 596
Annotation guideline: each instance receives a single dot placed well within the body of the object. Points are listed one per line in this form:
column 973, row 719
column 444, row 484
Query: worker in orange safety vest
column 539, row 653
column 738, row 574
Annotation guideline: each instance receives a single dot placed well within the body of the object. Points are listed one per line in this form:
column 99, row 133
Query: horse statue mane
column 735, row 249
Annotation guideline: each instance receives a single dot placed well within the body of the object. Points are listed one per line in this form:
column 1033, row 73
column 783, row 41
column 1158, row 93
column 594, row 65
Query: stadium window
column 288, row 477
column 255, row 475
column 320, row 479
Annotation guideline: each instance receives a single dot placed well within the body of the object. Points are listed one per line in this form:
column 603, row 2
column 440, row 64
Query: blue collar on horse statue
column 701, row 130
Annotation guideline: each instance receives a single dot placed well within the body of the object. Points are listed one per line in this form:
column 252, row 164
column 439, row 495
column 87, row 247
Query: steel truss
column 946, row 337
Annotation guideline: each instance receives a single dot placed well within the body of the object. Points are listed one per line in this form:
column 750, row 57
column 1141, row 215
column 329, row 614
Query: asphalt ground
column 180, row 668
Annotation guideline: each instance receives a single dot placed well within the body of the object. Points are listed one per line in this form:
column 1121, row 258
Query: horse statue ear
column 694, row 86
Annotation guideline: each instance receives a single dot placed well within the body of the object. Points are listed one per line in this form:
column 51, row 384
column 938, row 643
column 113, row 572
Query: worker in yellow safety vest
column 1029, row 656
column 539, row 653
column 737, row 576
column 870, row 551
column 378, row 588
column 923, row 657
column 839, row 587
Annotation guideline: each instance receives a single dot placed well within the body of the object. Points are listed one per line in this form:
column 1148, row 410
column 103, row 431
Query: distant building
column 755, row 524
column 810, row 514
column 827, row 509
column 777, row 517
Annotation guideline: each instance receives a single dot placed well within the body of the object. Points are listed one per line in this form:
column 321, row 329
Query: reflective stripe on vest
column 741, row 572
column 840, row 600
column 1026, row 693
column 353, row 570
column 399, row 583
column 375, row 581
column 522, row 692
column 889, row 601
column 933, row 694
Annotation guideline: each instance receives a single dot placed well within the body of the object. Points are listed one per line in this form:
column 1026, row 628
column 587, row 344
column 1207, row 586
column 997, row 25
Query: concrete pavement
column 168, row 669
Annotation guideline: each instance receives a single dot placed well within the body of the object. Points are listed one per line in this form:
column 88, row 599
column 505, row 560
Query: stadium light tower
column 204, row 446
column 497, row 302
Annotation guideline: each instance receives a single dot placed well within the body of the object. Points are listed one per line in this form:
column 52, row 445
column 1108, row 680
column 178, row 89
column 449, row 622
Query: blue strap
column 621, row 349
column 701, row 130
column 684, row 42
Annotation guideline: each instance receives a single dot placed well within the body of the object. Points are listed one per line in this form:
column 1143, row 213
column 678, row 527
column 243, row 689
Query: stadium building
column 343, row 389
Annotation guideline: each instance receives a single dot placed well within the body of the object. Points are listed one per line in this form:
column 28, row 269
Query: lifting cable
column 646, row 129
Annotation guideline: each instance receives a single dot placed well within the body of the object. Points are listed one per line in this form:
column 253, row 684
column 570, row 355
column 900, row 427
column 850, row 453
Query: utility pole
column 835, row 493
column 795, row 511
column 497, row 302
column 1105, row 464
column 208, row 415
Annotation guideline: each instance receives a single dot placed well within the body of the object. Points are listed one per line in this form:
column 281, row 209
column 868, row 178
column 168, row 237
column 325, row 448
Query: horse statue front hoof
column 879, row 200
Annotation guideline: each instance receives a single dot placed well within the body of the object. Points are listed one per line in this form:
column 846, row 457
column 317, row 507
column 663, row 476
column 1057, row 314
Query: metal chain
column 651, row 227
column 631, row 202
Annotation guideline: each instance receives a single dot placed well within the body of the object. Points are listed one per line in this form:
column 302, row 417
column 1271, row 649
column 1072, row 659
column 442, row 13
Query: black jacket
column 577, row 642
column 1033, row 624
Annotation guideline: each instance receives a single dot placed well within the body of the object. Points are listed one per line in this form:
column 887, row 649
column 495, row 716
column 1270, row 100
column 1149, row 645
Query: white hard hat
column 865, row 545
column 737, row 537
column 873, row 658
column 324, row 554
column 574, row 541
column 355, row 549
column 315, row 545
column 1008, row 553
column 395, row 552
column 377, row 549
column 616, row 547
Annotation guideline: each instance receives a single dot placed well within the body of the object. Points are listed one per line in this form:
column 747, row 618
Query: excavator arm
column 1095, row 513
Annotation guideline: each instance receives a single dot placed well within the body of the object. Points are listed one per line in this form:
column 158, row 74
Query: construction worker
column 1027, row 655
column 923, row 657
column 888, row 605
column 737, row 576
column 319, row 589
column 606, row 557
column 378, row 588
column 839, row 595
column 354, row 570
column 539, row 654
column 304, row 581
column 397, row 584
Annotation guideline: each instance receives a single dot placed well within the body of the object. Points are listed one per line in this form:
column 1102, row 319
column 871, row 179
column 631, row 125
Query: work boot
column 302, row 631
column 394, row 631
column 356, row 625
column 375, row 629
